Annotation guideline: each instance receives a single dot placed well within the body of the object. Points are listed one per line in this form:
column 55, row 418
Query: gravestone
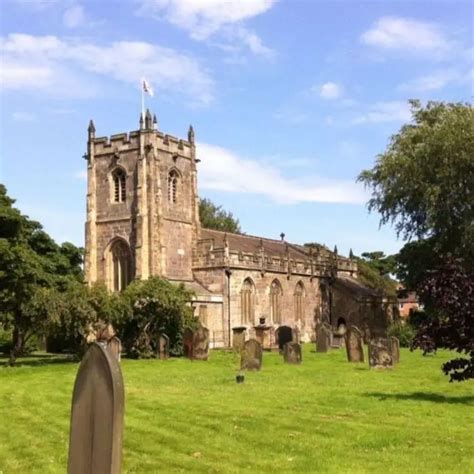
column 292, row 353
column 251, row 356
column 296, row 335
column 323, row 338
column 95, row 441
column 238, row 337
column 114, row 348
column 188, row 343
column 395, row 346
column 354, row 345
column 263, row 336
column 200, row 344
column 380, row 353
column 283, row 335
column 163, row 347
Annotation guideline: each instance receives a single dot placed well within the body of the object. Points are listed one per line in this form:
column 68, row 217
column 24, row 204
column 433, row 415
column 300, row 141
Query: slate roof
column 253, row 244
column 355, row 287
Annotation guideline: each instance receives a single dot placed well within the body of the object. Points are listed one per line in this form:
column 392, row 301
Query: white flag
column 147, row 88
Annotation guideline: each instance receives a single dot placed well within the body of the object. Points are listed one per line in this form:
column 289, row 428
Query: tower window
column 120, row 188
column 173, row 178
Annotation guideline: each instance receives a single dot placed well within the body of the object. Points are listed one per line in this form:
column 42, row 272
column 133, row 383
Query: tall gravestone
column 354, row 345
column 283, row 335
column 163, row 347
column 380, row 353
column 188, row 343
column 251, row 356
column 292, row 353
column 323, row 338
column 95, row 441
column 395, row 346
column 238, row 337
column 114, row 348
column 200, row 344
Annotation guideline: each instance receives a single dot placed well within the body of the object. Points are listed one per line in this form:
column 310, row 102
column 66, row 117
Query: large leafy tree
column 424, row 185
column 32, row 265
column 214, row 217
column 375, row 269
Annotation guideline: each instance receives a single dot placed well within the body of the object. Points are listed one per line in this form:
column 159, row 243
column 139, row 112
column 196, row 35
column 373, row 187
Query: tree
column 423, row 184
column 214, row 217
column 375, row 269
column 31, row 264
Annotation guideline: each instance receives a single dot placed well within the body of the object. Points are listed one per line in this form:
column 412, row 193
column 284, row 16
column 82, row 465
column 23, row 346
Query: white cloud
column 23, row 116
column 205, row 18
column 329, row 90
column 380, row 112
column 407, row 35
column 62, row 66
column 223, row 170
column 435, row 81
column 74, row 16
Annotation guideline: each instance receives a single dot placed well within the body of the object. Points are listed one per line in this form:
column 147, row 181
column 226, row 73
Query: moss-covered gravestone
column 380, row 353
column 251, row 356
column 354, row 345
column 292, row 353
column 95, row 441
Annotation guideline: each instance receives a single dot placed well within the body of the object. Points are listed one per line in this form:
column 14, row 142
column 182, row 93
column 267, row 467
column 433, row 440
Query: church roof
column 253, row 244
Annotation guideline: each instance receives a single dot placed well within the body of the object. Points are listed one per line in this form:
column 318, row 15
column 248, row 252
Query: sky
column 289, row 100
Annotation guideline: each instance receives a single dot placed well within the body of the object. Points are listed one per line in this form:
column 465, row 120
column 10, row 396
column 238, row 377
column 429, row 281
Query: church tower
column 142, row 205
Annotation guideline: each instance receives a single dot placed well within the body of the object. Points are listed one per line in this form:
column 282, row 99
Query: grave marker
column 251, row 356
column 354, row 345
column 292, row 353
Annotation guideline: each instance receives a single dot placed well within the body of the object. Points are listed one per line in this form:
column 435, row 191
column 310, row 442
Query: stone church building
column 143, row 220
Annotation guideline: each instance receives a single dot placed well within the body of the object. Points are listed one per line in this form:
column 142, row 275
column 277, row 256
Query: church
column 143, row 220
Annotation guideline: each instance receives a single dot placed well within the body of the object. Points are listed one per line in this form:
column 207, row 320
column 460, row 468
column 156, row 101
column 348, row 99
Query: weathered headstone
column 292, row 353
column 95, row 441
column 395, row 346
column 323, row 338
column 380, row 353
column 283, row 335
column 163, row 347
column 238, row 337
column 200, row 344
column 354, row 345
column 251, row 356
column 114, row 348
column 188, row 343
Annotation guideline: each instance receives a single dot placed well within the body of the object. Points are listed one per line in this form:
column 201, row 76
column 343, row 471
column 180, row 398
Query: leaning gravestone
column 380, row 353
column 323, row 338
column 395, row 346
column 95, row 441
column 354, row 345
column 283, row 335
column 114, row 347
column 200, row 343
column 251, row 356
column 292, row 353
column 163, row 347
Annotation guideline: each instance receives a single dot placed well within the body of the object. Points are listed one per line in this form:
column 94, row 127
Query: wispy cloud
column 62, row 66
column 205, row 18
column 74, row 16
column 394, row 111
column 224, row 170
column 409, row 36
column 436, row 80
column 328, row 90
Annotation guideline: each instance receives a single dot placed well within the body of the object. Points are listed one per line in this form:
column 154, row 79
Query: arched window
column 119, row 266
column 119, row 181
column 247, row 298
column 299, row 304
column 275, row 302
column 173, row 178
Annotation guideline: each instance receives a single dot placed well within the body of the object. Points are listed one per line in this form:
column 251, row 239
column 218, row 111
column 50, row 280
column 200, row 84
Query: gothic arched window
column 173, row 179
column 119, row 266
column 120, row 185
column 275, row 302
column 247, row 298
column 299, row 304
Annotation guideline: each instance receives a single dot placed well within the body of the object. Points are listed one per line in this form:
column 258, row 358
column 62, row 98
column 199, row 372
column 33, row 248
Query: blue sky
column 289, row 100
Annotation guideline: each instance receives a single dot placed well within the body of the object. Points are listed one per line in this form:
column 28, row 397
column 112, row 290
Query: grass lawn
column 324, row 416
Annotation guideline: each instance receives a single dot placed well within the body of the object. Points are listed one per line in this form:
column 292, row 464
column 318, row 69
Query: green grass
column 324, row 416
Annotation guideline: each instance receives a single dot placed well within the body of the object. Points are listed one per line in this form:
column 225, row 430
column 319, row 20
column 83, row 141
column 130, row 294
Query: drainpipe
column 228, row 273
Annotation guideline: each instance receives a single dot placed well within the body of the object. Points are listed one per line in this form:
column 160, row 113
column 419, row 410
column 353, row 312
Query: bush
column 154, row 306
column 404, row 332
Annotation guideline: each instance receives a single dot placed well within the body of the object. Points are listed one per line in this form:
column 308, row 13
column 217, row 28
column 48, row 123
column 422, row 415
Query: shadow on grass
column 34, row 360
column 423, row 397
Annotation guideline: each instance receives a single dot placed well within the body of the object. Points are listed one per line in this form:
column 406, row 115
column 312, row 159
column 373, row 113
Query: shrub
column 404, row 332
